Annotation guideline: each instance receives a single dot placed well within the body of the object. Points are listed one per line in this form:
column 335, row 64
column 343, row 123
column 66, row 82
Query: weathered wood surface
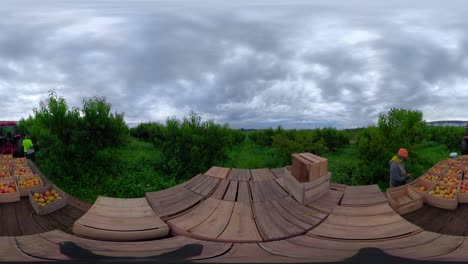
column 118, row 219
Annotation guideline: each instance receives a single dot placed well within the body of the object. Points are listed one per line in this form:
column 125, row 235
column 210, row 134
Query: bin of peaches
column 463, row 192
column 422, row 186
column 430, row 177
column 455, row 172
column 47, row 199
column 443, row 196
column 451, row 180
column 5, row 174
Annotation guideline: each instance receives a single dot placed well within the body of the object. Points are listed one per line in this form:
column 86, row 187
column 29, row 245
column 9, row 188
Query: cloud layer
column 250, row 64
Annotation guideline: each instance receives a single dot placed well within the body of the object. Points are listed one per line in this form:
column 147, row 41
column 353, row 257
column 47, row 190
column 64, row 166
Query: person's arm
column 396, row 174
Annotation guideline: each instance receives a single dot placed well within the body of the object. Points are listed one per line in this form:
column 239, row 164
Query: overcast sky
column 252, row 64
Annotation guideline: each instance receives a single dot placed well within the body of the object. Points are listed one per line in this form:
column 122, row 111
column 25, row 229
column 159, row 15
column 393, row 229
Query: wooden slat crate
column 307, row 167
column 449, row 204
column 25, row 191
column 52, row 207
column 10, row 197
column 404, row 199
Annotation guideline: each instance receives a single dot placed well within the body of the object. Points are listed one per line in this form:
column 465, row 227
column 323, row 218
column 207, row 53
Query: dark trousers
column 30, row 156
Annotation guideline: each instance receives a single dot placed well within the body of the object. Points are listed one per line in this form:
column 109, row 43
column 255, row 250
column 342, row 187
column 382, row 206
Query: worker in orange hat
column 398, row 175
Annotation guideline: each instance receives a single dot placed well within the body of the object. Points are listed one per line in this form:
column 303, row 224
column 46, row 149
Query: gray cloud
column 250, row 64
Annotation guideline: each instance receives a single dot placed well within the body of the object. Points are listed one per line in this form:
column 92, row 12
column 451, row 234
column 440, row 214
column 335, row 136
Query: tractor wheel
column 464, row 147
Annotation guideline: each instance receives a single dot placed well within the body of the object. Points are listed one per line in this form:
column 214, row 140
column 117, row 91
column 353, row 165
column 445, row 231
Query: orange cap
column 403, row 153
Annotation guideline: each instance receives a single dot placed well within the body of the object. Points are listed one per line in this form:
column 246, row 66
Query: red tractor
column 464, row 145
column 10, row 140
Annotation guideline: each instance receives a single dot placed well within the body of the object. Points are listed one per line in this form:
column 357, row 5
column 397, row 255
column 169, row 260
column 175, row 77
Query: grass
column 248, row 155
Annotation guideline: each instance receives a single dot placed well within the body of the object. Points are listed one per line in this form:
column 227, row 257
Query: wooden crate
column 5, row 174
column 5, row 165
column 449, row 204
column 10, row 197
column 462, row 197
column 16, row 173
column 421, row 182
column 19, row 163
column 52, row 207
column 437, row 170
column 456, row 176
column 317, row 188
column 307, row 166
column 422, row 177
column 25, row 191
column 292, row 186
column 404, row 199
column 6, row 157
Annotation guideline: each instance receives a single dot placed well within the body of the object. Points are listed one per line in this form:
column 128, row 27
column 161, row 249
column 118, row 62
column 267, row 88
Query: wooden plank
column 37, row 246
column 279, row 172
column 178, row 207
column 262, row 174
column 10, row 252
column 356, row 232
column 390, row 243
column 361, row 211
column 316, row 193
column 288, row 249
column 200, row 185
column 278, row 191
column 80, row 205
column 26, row 223
column 290, row 217
column 196, row 216
column 292, row 186
column 9, row 219
column 459, row 254
column 214, row 225
column 375, row 220
column 218, row 172
column 192, row 182
column 304, row 214
column 363, row 189
column 257, row 195
column 220, row 190
column 266, row 227
column 438, row 247
column 209, row 188
column 244, row 252
column 327, row 202
column 267, row 190
column 120, row 224
column 239, row 175
column 243, row 193
column 241, row 226
column 171, row 243
column 109, row 211
column 231, row 192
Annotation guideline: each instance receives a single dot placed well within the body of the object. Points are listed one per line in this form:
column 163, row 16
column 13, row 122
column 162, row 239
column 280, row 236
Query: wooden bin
column 422, row 177
column 421, row 182
column 10, row 197
column 305, row 193
column 308, row 167
column 6, row 157
column 4, row 165
column 462, row 197
column 52, row 207
column 404, row 199
column 25, row 191
column 5, row 175
column 22, row 172
column 449, row 204
column 19, row 161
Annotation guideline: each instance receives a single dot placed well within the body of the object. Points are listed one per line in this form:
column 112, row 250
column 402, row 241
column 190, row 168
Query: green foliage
column 70, row 138
column 451, row 137
column 189, row 146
